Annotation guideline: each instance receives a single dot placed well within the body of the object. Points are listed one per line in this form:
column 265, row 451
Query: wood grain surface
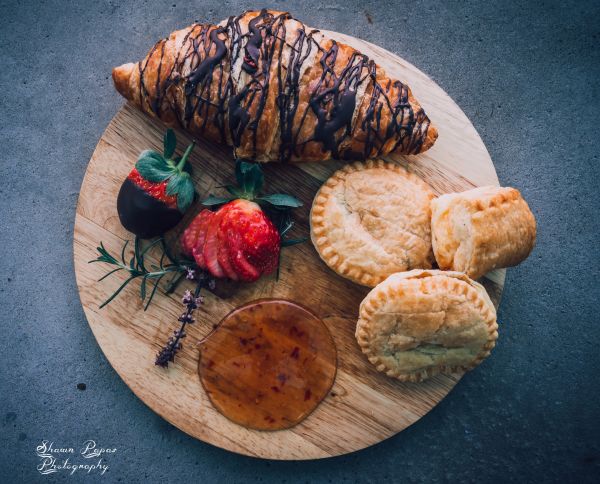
column 364, row 407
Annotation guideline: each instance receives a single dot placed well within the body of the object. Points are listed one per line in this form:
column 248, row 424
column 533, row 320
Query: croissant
column 276, row 90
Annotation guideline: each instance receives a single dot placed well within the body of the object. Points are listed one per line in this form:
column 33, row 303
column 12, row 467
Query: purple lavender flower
column 191, row 301
column 186, row 318
column 187, row 297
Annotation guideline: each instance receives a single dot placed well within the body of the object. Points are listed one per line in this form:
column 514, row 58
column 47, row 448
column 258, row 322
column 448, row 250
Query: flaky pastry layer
column 482, row 229
column 276, row 90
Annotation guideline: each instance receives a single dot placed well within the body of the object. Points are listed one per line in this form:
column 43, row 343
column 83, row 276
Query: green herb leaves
column 249, row 177
column 213, row 201
column 182, row 186
column 136, row 268
column 250, row 181
column 281, row 200
column 169, row 143
column 153, row 167
column 157, row 168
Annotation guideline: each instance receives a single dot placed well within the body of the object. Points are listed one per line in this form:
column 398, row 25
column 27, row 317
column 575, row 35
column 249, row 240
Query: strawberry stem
column 184, row 158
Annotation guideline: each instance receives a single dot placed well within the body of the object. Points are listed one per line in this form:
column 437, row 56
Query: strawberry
column 157, row 191
column 223, row 253
column 197, row 250
column 251, row 239
column 239, row 241
column 211, row 247
column 245, row 270
column 196, row 227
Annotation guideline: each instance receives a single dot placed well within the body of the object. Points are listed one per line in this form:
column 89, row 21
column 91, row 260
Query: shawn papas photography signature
column 55, row 458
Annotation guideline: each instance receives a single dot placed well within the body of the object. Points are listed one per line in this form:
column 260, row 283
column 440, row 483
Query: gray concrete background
column 526, row 74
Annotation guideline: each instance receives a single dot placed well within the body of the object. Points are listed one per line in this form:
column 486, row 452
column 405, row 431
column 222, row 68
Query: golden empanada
column 423, row 322
column 481, row 229
column 370, row 220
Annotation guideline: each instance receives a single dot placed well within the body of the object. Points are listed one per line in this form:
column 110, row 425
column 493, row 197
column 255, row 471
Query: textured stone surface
column 528, row 77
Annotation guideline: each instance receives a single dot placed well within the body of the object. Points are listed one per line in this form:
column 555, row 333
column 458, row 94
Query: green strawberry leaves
column 281, row 200
column 157, row 168
column 155, row 155
column 169, row 143
column 250, row 181
column 213, row 201
column 182, row 186
column 237, row 192
column 153, row 169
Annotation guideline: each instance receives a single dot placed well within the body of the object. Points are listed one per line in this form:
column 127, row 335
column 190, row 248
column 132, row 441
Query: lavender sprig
column 191, row 302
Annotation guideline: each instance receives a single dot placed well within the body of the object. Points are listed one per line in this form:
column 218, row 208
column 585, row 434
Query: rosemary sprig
column 137, row 269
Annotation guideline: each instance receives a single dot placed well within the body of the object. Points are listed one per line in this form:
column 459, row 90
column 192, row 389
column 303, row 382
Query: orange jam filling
column 268, row 364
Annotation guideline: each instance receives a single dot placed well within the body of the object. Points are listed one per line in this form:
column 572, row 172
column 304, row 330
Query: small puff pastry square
column 420, row 323
column 481, row 230
column 370, row 220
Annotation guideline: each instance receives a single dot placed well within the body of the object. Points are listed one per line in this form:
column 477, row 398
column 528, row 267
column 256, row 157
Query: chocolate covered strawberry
column 157, row 191
column 238, row 241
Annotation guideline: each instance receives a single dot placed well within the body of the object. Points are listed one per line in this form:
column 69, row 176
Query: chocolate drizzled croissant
column 277, row 91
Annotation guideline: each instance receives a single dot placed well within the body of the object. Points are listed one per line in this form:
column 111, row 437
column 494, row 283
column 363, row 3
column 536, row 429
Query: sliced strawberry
column 261, row 245
column 238, row 241
column 252, row 240
column 198, row 250
column 223, row 254
column 188, row 239
column 211, row 246
column 246, row 271
column 190, row 235
column 232, row 223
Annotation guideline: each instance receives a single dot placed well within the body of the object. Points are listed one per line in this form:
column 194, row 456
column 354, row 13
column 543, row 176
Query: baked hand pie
column 481, row 229
column 420, row 323
column 370, row 220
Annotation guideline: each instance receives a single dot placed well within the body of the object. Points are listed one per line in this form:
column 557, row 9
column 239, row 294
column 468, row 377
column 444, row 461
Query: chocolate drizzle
column 208, row 64
column 154, row 99
column 199, row 82
column 250, row 64
column 341, row 95
column 289, row 92
column 208, row 100
column 238, row 117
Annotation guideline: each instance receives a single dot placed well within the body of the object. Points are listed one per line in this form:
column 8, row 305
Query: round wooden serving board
column 364, row 407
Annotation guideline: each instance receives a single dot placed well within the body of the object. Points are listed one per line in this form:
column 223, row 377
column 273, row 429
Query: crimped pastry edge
column 324, row 247
column 377, row 296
